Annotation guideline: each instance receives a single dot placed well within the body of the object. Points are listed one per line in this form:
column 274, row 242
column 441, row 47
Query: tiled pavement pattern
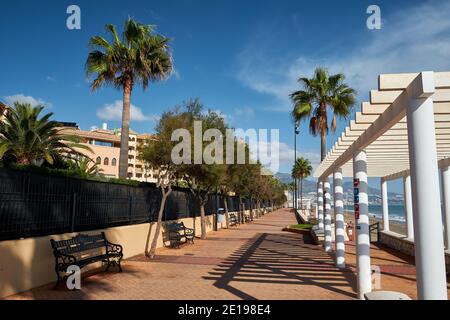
column 252, row 261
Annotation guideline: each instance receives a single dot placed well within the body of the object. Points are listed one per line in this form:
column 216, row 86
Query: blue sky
column 241, row 58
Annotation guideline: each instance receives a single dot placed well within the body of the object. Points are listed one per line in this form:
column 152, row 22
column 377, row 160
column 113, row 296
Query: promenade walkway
column 252, row 261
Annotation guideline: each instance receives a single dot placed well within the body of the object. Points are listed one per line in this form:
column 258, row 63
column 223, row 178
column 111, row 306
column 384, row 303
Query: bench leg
column 120, row 267
column 115, row 263
column 58, row 280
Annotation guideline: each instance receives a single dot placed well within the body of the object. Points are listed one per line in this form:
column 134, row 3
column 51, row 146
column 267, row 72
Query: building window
column 103, row 143
column 98, row 160
column 113, row 162
column 106, row 161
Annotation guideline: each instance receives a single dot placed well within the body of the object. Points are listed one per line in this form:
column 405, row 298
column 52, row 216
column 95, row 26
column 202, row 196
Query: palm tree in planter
column 84, row 166
column 26, row 137
column 139, row 56
column 301, row 170
column 317, row 95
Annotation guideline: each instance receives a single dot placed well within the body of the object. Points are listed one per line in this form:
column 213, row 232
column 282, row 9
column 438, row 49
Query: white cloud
column 244, row 112
column 411, row 40
column 237, row 113
column 50, row 78
column 286, row 154
column 21, row 98
column 113, row 112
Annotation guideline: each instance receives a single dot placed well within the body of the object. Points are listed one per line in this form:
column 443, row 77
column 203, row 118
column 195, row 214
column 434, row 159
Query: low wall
column 397, row 241
column 400, row 243
column 29, row 263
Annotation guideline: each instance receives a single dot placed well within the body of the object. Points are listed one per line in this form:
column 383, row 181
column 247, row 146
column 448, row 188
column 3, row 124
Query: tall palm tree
column 139, row 55
column 301, row 170
column 317, row 94
column 28, row 138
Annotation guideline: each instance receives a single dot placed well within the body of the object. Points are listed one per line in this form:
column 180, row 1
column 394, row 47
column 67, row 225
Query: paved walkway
column 252, row 261
column 398, row 272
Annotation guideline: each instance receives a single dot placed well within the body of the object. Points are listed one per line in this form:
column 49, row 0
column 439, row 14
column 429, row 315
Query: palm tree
column 317, row 94
column 84, row 166
column 27, row 138
column 140, row 56
column 301, row 170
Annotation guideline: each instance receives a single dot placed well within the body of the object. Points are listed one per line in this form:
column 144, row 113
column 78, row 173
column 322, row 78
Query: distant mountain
column 311, row 186
column 284, row 177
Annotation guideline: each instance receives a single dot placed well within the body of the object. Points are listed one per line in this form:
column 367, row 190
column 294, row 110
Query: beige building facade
column 105, row 144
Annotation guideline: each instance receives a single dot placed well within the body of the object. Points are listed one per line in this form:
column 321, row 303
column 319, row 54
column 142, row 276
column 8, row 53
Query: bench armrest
column 113, row 247
column 63, row 260
column 188, row 231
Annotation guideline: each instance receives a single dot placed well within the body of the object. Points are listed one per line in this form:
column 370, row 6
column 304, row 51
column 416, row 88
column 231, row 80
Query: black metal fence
column 33, row 204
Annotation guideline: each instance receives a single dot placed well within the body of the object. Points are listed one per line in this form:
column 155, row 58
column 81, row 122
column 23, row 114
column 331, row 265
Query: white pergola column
column 320, row 203
column 327, row 238
column 364, row 273
column 339, row 222
column 446, row 201
column 408, row 207
column 385, row 205
column 429, row 243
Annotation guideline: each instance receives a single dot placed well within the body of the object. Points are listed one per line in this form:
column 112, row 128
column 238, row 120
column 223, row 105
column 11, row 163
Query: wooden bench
column 233, row 220
column 83, row 250
column 177, row 233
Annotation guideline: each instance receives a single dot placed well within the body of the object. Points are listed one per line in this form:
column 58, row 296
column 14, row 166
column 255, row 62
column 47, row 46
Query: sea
column 396, row 212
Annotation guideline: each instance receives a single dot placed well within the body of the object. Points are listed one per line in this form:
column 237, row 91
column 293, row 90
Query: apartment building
column 105, row 144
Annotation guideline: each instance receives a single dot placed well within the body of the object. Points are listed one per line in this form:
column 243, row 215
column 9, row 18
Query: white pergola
column 403, row 132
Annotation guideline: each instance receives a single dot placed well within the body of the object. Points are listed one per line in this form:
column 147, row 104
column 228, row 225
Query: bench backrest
column 80, row 243
column 175, row 226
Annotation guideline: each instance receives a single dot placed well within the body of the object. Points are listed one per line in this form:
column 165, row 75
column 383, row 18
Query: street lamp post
column 296, row 132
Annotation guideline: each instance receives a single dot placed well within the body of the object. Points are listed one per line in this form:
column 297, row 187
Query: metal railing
column 34, row 204
column 375, row 227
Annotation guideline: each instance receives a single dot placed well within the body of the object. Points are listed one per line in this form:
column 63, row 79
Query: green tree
column 301, row 170
column 317, row 94
column 26, row 137
column 202, row 178
column 139, row 55
column 156, row 153
column 241, row 177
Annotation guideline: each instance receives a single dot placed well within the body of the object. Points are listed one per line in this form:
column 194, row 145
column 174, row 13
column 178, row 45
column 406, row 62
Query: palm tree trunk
column 323, row 130
column 323, row 145
column 124, row 135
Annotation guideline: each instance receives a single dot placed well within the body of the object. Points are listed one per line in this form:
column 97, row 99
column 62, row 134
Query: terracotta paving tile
column 253, row 261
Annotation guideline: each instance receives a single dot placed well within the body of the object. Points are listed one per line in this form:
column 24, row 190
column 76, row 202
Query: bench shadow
column 281, row 259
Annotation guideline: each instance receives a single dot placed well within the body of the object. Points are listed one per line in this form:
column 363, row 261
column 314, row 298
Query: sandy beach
column 394, row 226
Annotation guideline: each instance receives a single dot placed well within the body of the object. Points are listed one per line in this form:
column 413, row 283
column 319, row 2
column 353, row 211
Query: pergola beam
column 393, row 114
